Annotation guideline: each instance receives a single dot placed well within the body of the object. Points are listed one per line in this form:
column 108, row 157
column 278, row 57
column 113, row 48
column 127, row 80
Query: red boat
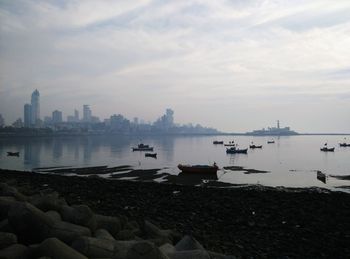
column 199, row 169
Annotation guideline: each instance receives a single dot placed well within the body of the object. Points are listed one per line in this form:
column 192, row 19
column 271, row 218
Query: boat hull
column 12, row 153
column 142, row 149
column 154, row 155
column 324, row 149
column 236, row 151
column 198, row 169
column 253, row 146
column 344, row 145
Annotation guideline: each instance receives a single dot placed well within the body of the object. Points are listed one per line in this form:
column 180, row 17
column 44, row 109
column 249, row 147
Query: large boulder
column 29, row 223
column 7, row 239
column 55, row 249
column 188, row 243
column 79, row 214
column 16, row 251
column 6, row 190
column 46, row 202
column 190, row 254
column 54, row 215
column 112, row 224
column 67, row 232
column 6, row 202
column 103, row 234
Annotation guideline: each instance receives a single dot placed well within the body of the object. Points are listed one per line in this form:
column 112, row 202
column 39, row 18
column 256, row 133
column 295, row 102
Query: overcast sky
column 233, row 65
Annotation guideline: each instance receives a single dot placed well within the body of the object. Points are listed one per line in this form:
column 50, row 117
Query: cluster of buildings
column 116, row 123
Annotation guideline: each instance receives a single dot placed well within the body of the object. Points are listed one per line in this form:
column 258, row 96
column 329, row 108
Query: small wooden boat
column 142, row 147
column 255, row 146
column 270, row 142
column 12, row 153
column 199, row 169
column 321, row 176
column 234, row 150
column 344, row 144
column 154, row 155
column 327, row 149
column 216, row 142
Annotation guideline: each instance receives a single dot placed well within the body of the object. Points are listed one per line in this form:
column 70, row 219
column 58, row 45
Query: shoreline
column 256, row 222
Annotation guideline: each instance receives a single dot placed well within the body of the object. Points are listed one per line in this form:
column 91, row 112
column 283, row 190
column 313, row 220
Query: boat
column 199, row 169
column 12, row 153
column 216, row 142
column 234, row 150
column 321, row 176
column 344, row 144
column 327, row 149
column 142, row 147
column 154, row 155
column 230, row 144
column 255, row 146
column 270, row 142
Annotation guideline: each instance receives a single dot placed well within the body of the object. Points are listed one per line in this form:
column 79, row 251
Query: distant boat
column 255, row 146
column 325, row 148
column 154, row 155
column 344, row 144
column 230, row 144
column 199, row 169
column 270, row 142
column 142, row 147
column 216, row 142
column 234, row 150
column 12, row 153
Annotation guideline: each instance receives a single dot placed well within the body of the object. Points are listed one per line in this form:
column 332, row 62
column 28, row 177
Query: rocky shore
column 245, row 222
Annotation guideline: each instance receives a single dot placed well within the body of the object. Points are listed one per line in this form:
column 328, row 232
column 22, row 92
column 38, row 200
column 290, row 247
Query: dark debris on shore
column 253, row 222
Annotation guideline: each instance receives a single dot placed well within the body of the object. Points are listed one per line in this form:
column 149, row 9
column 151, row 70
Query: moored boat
column 12, row 153
column 327, row 149
column 234, row 150
column 255, row 146
column 270, row 142
column 154, row 155
column 142, row 147
column 199, row 169
column 344, row 144
column 216, row 142
column 230, row 144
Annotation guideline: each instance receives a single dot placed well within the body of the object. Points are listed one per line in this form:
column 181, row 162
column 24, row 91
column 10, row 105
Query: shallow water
column 292, row 160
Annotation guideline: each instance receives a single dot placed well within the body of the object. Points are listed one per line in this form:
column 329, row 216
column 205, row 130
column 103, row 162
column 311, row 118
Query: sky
column 232, row 65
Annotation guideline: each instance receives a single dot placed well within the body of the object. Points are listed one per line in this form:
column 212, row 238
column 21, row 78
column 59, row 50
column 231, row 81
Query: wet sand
column 249, row 222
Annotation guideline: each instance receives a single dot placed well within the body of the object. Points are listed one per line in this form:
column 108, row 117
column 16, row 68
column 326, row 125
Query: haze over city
column 231, row 65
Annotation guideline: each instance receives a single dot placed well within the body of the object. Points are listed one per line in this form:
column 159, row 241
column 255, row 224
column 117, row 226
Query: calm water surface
column 292, row 161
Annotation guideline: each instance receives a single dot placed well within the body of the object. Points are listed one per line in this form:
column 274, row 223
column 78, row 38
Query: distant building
column 2, row 121
column 56, row 116
column 273, row 131
column 18, row 123
column 166, row 121
column 47, row 120
column 27, row 115
column 35, row 102
column 76, row 115
column 87, row 113
column 95, row 119
column 136, row 120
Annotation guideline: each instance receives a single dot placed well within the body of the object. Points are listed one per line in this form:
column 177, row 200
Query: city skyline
column 230, row 65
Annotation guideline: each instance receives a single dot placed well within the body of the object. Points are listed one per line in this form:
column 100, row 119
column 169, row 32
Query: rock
column 5, row 226
column 104, row 234
column 152, row 231
column 68, row 232
column 94, row 247
column 167, row 249
column 5, row 204
column 144, row 250
column 16, row 251
column 29, row 223
column 79, row 214
column 6, row 190
column 56, row 249
column 125, row 234
column 54, row 215
column 190, row 254
column 188, row 243
column 7, row 239
column 111, row 224
column 48, row 201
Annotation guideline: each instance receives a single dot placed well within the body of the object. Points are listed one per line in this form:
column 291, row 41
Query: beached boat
column 234, row 150
column 255, row 146
column 12, row 153
column 199, row 169
column 321, row 176
column 327, row 149
column 154, row 155
column 142, row 147
column 216, row 142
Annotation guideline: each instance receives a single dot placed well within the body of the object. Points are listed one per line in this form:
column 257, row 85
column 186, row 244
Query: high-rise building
column 2, row 121
column 27, row 115
column 56, row 116
column 35, row 102
column 169, row 117
column 76, row 115
column 87, row 113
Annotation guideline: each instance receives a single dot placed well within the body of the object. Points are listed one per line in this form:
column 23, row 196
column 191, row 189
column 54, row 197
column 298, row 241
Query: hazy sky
column 233, row 65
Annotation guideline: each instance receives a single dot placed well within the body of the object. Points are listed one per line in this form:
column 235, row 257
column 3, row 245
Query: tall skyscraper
column 76, row 115
column 35, row 102
column 2, row 121
column 27, row 115
column 86, row 113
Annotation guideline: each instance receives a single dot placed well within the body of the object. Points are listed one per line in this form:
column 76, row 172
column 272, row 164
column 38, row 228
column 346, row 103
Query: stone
column 29, row 223
column 190, row 254
column 7, row 239
column 144, row 250
column 79, row 214
column 54, row 215
column 103, row 234
column 16, row 251
column 94, row 247
column 167, row 249
column 5, row 226
column 6, row 190
column 47, row 202
column 5, row 204
column 214, row 255
column 152, row 231
column 188, row 243
column 125, row 234
column 56, row 249
column 68, row 232
column 111, row 224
